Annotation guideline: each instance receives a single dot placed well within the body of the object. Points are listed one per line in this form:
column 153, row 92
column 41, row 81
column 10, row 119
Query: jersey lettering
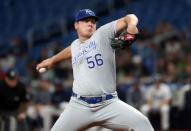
column 86, row 49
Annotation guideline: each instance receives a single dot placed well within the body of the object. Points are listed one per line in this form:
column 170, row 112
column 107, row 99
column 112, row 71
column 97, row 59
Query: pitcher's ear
column 76, row 25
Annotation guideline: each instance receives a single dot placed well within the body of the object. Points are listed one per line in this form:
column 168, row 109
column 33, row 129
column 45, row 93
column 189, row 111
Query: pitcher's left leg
column 119, row 115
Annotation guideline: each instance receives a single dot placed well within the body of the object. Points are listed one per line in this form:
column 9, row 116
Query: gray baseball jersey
column 95, row 75
column 92, row 58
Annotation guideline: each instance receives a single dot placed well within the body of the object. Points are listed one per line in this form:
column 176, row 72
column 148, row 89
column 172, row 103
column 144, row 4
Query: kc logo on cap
column 88, row 11
column 85, row 13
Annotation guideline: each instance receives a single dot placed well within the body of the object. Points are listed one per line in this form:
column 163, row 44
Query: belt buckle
column 103, row 97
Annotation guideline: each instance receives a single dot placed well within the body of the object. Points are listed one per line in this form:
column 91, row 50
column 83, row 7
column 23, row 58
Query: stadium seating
column 18, row 17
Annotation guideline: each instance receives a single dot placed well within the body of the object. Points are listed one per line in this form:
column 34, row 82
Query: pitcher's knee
column 144, row 125
column 147, row 125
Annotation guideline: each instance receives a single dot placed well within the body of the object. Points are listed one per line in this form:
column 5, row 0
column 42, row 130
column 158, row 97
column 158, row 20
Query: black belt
column 93, row 100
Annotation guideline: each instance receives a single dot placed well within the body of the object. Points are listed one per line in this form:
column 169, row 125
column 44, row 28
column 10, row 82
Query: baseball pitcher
column 94, row 101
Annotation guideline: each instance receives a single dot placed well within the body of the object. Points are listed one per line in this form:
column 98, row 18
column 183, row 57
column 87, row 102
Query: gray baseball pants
column 111, row 114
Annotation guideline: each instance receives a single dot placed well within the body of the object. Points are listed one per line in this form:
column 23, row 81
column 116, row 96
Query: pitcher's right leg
column 74, row 117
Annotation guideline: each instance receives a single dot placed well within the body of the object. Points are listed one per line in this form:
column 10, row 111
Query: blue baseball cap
column 85, row 13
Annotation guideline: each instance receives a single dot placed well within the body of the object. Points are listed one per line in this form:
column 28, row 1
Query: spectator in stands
column 18, row 46
column 59, row 97
column 14, row 101
column 2, row 73
column 42, row 107
column 135, row 94
column 158, row 98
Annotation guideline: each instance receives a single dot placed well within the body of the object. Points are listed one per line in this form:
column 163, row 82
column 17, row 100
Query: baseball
column 42, row 70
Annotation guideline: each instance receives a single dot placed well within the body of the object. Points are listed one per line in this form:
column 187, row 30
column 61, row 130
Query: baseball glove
column 123, row 40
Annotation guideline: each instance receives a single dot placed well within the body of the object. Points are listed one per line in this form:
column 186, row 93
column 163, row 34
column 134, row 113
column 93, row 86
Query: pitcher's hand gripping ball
column 42, row 70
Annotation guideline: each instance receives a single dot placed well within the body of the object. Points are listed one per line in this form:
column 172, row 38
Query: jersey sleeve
column 107, row 31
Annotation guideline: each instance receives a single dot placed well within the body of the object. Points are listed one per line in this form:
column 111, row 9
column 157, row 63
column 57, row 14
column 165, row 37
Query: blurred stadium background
column 33, row 30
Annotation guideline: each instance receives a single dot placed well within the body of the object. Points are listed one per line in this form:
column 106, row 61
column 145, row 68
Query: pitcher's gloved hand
column 123, row 40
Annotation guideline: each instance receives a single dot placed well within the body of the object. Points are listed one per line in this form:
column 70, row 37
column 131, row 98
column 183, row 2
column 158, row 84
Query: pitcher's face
column 86, row 27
